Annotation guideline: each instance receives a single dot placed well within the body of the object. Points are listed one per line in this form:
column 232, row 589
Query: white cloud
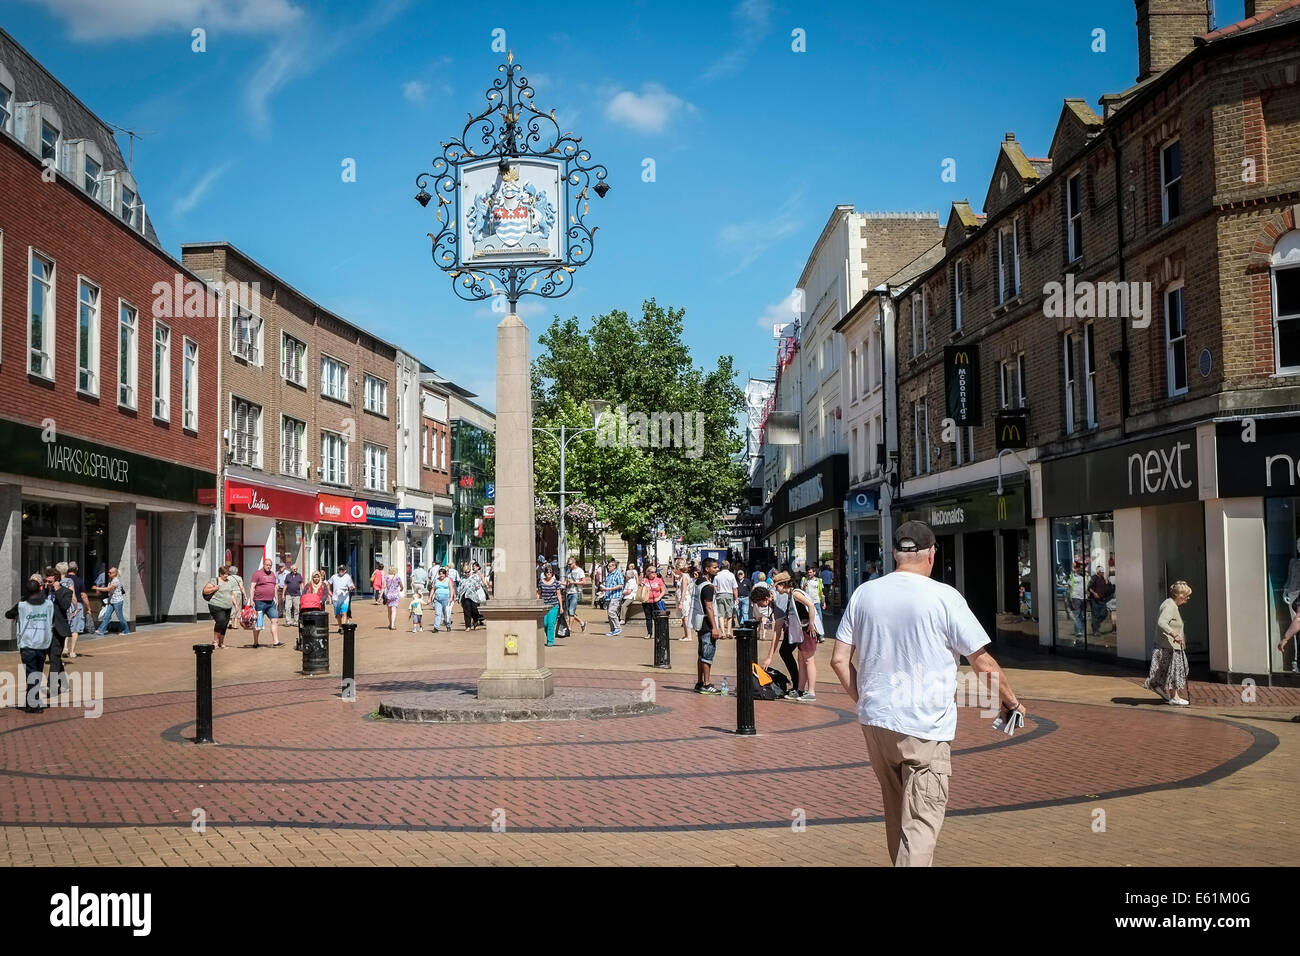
column 199, row 189
column 750, row 239
column 649, row 111
column 753, row 22
column 415, row 92
column 782, row 312
column 91, row 20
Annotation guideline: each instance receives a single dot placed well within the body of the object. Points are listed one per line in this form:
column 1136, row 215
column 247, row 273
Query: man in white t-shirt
column 896, row 653
column 725, row 586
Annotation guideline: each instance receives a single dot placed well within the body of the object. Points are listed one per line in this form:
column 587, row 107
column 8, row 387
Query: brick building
column 806, row 474
column 309, row 422
column 108, row 427
column 1131, row 304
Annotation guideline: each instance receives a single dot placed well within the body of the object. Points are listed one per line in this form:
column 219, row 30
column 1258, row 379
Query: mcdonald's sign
column 1002, row 507
column 961, row 365
column 1011, row 430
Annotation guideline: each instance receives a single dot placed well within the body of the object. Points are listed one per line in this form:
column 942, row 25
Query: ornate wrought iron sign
column 512, row 197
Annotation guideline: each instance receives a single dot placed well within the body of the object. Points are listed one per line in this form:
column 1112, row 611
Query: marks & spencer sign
column 74, row 460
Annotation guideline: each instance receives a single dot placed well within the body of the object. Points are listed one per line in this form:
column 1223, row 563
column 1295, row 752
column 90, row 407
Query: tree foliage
column 643, row 364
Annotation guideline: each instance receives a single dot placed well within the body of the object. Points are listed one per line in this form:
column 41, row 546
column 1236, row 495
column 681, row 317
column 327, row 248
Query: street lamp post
column 563, row 442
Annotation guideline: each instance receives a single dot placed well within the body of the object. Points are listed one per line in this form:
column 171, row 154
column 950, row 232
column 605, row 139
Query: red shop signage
column 259, row 501
column 343, row 510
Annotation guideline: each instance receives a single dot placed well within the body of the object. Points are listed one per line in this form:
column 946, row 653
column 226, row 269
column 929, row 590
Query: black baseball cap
column 913, row 536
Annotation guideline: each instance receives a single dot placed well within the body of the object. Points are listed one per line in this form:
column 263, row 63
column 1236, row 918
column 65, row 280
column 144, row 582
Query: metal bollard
column 203, row 693
column 746, row 657
column 663, row 657
column 349, row 661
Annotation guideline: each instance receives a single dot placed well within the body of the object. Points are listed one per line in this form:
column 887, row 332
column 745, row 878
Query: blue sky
column 753, row 144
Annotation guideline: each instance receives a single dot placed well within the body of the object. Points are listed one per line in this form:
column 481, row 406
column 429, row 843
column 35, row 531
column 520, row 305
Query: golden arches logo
column 961, row 358
column 1011, row 433
column 1002, row 507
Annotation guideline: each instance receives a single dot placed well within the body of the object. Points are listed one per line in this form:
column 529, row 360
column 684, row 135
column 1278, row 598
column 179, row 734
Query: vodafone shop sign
column 341, row 510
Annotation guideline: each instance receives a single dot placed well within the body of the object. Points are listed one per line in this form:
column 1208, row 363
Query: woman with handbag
column 471, row 595
column 651, row 595
column 802, row 628
column 685, row 588
column 220, row 594
column 1168, row 675
column 392, row 595
column 548, row 590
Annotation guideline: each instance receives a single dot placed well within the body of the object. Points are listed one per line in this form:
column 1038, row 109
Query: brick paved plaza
column 301, row 777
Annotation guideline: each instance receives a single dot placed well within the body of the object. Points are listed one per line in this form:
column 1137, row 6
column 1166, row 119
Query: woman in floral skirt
column 1168, row 676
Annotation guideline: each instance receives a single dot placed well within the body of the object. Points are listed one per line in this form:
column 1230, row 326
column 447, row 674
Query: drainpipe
column 1122, row 356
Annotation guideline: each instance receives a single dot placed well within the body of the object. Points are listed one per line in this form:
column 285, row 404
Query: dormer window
column 130, row 208
column 49, row 143
column 90, row 177
column 6, row 109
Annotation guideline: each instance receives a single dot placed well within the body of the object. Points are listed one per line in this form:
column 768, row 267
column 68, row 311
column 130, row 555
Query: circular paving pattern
column 293, row 754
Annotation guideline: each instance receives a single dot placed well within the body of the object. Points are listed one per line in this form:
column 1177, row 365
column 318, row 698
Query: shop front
column 804, row 522
column 381, row 539
column 66, row 499
column 984, row 548
column 1253, row 541
column 267, row 521
column 862, row 521
column 1118, row 526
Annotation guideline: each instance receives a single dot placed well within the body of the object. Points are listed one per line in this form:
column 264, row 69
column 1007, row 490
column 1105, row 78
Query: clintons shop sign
column 262, row 502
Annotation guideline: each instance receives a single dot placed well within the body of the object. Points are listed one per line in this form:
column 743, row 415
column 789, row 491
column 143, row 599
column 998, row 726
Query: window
column 918, row 324
column 1074, row 216
column 855, row 463
column 958, row 291
column 445, row 436
column 1068, row 356
column 90, row 177
column 87, row 337
column 1020, row 380
column 1175, row 341
column 333, row 458
column 965, row 453
column 424, row 446
column 1089, row 378
column 293, row 447
column 1008, row 384
column 376, row 395
column 376, row 467
column 245, row 433
column 874, row 368
column 333, row 378
column 1171, row 181
column 1286, row 302
column 6, row 109
column 246, row 335
column 879, row 450
column 40, row 329
column 130, row 208
column 190, row 386
column 293, row 360
column 162, row 372
column 853, row 375
column 920, row 439
column 49, row 143
column 127, row 325
column 1009, row 261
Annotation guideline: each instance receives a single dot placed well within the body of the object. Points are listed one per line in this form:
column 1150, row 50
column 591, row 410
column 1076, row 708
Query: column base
column 516, row 684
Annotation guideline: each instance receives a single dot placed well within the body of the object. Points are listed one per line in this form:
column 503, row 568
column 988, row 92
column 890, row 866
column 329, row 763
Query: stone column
column 516, row 664
column 121, row 553
column 11, row 559
column 180, row 565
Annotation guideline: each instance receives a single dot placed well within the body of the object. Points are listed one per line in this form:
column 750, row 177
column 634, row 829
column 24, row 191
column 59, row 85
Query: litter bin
column 662, row 657
column 314, row 629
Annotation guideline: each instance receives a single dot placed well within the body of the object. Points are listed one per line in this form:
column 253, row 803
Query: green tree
column 640, row 364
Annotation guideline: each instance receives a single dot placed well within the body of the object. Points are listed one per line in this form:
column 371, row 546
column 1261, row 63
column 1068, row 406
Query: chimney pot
column 1010, row 137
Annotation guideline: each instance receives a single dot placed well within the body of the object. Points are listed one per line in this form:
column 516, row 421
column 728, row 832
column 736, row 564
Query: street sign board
column 491, row 491
column 489, row 511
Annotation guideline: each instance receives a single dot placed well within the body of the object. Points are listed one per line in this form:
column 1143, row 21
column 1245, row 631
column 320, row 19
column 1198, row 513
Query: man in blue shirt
column 613, row 589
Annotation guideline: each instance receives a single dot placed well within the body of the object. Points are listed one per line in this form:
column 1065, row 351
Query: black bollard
column 663, row 659
column 746, row 657
column 349, row 661
column 203, row 693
